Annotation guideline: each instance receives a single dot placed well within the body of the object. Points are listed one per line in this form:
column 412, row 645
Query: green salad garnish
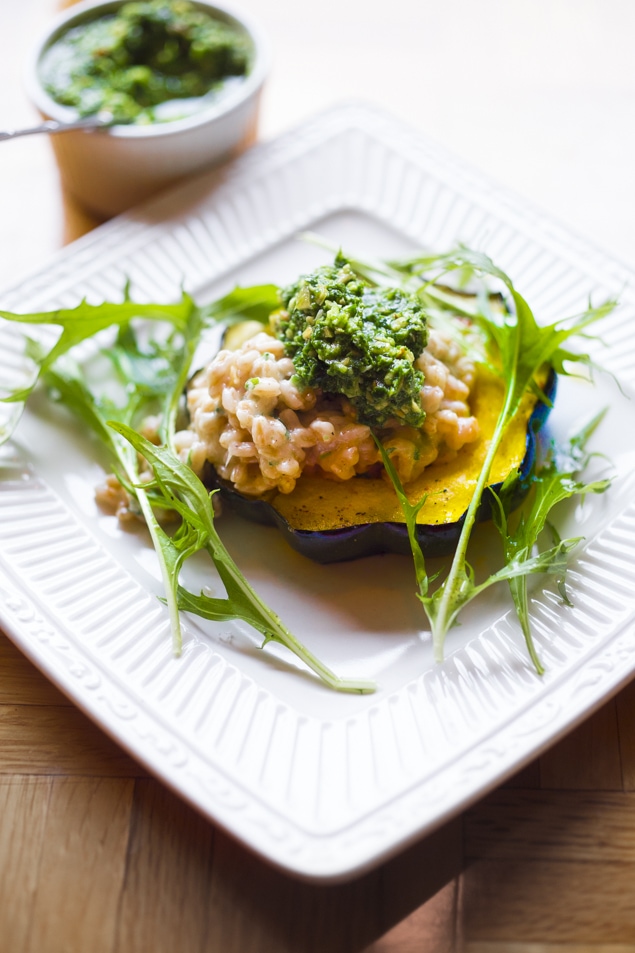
column 354, row 328
column 153, row 375
column 518, row 346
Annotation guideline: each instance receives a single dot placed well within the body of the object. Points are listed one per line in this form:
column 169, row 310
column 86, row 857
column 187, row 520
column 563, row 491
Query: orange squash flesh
column 319, row 504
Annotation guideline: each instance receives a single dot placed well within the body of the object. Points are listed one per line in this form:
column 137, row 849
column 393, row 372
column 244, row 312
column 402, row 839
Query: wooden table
column 97, row 856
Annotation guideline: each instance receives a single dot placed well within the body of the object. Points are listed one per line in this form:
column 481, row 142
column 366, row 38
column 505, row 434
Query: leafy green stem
column 553, row 482
column 265, row 621
column 519, row 347
column 410, row 512
column 158, row 536
column 261, row 618
column 458, row 588
column 183, row 492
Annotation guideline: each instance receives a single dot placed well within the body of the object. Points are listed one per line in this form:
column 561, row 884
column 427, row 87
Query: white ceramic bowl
column 110, row 170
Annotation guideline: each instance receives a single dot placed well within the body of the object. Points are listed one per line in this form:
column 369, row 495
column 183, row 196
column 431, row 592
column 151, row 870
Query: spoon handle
column 51, row 126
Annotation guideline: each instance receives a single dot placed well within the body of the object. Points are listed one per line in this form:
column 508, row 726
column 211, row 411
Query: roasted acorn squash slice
column 332, row 521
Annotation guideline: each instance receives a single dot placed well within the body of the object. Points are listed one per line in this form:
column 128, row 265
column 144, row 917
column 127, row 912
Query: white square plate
column 323, row 785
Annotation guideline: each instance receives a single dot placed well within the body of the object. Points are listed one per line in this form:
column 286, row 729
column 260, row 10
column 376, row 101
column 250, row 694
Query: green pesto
column 145, row 54
column 349, row 338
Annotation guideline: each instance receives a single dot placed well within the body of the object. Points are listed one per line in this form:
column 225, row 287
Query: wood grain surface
column 97, row 857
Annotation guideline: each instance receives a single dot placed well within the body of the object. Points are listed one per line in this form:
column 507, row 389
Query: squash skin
column 372, row 538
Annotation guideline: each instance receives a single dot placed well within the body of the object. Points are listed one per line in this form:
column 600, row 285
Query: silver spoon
column 100, row 120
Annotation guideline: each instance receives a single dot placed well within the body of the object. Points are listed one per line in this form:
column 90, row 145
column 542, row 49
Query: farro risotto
column 340, row 365
column 261, row 431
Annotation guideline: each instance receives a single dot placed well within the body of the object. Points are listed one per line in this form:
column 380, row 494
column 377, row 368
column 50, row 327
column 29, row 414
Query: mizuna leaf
column 519, row 346
column 83, row 322
column 553, row 482
column 184, row 492
column 254, row 303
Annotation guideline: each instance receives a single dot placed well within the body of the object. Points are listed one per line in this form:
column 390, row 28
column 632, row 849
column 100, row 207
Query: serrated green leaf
column 519, row 347
column 185, row 492
column 83, row 322
column 254, row 303
column 553, row 483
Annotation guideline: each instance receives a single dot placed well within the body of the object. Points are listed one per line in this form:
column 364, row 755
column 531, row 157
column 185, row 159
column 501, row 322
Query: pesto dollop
column 350, row 338
column 145, row 54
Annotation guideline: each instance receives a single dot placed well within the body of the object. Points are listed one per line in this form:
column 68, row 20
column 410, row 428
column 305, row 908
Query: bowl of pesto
column 179, row 79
